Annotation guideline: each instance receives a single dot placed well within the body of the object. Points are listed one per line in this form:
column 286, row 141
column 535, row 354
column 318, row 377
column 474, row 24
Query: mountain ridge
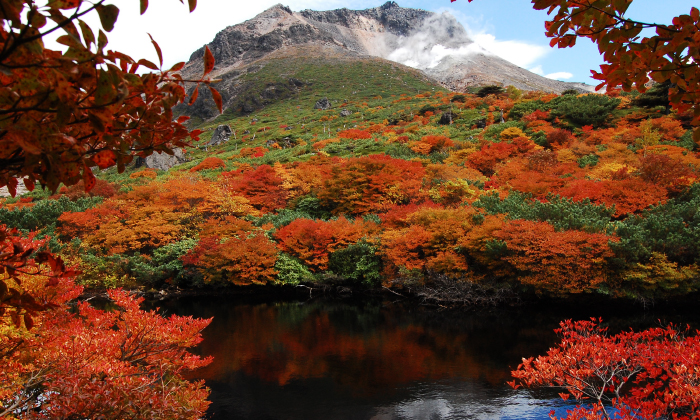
column 435, row 44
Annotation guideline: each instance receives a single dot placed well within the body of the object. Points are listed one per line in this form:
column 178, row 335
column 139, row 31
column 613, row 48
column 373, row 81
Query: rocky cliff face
column 433, row 43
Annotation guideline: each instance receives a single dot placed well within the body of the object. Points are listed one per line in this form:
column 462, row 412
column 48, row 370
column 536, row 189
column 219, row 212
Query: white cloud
column 560, row 75
column 520, row 53
column 537, row 70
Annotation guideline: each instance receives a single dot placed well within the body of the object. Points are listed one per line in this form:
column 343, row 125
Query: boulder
column 165, row 161
column 345, row 113
column 323, row 104
column 221, row 135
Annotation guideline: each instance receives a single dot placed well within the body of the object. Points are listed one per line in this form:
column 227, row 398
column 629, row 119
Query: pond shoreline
column 304, row 292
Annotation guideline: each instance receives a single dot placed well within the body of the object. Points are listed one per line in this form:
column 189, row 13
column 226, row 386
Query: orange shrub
column 233, row 251
column 431, row 143
column 372, row 183
column 354, row 133
column 210, row 162
column 565, row 262
column 313, row 240
column 628, row 195
column 146, row 173
column 491, row 154
column 253, row 151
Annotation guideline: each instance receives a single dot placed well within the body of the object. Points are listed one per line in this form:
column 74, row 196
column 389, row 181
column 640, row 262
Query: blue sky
column 509, row 28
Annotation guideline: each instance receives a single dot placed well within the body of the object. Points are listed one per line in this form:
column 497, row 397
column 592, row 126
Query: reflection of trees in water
column 392, row 360
column 362, row 346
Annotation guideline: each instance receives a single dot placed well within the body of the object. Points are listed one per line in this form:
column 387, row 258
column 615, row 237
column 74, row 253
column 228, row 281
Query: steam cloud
column 439, row 36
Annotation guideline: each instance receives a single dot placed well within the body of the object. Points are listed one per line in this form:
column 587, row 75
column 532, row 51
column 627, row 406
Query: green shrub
column 312, row 206
column 291, row 271
column 672, row 229
column 584, row 110
column 489, row 90
column 164, row 264
column 493, row 132
column 523, row 108
column 358, row 263
column 45, row 212
column 588, row 160
column 562, row 213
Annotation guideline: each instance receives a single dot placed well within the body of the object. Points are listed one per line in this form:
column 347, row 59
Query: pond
column 380, row 359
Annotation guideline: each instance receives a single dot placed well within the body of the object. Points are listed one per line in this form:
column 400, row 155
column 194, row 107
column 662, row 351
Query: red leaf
column 148, row 64
column 28, row 321
column 29, row 184
column 208, row 60
column 158, row 51
column 217, row 98
column 88, row 179
column 178, row 66
column 564, row 396
column 144, row 6
column 105, row 159
column 193, row 4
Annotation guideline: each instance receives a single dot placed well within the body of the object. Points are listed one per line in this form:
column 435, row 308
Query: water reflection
column 374, row 359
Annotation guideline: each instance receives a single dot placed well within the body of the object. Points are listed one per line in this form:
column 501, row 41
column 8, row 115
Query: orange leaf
column 194, row 96
column 208, row 60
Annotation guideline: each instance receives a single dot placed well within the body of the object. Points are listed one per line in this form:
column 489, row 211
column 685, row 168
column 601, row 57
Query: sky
column 508, row 28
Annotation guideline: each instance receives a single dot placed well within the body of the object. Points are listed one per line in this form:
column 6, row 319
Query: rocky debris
column 222, row 134
column 446, row 118
column 345, row 113
column 323, row 104
column 163, row 161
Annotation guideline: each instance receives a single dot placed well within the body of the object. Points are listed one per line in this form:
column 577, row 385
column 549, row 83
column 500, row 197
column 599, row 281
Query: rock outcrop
column 164, row 161
column 221, row 134
column 322, row 104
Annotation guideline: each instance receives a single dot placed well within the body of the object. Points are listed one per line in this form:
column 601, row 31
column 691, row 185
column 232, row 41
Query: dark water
column 381, row 360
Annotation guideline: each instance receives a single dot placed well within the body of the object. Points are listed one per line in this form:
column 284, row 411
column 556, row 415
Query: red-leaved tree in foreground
column 652, row 374
column 61, row 114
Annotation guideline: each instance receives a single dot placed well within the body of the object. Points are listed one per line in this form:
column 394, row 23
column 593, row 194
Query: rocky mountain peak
column 436, row 44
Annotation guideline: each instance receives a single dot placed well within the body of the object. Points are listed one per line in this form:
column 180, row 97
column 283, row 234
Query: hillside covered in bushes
column 451, row 196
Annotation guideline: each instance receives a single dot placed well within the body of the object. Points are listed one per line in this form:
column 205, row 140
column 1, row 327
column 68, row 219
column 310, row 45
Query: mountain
column 435, row 44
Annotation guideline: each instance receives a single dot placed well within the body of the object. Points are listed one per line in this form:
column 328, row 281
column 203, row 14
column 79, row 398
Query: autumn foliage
column 649, row 374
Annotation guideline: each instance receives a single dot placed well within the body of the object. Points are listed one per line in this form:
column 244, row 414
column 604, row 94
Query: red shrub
column 354, row 133
column 262, row 187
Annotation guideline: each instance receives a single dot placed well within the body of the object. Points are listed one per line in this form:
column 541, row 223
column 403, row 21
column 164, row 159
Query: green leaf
column 88, row 35
column 101, row 41
column 108, row 16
